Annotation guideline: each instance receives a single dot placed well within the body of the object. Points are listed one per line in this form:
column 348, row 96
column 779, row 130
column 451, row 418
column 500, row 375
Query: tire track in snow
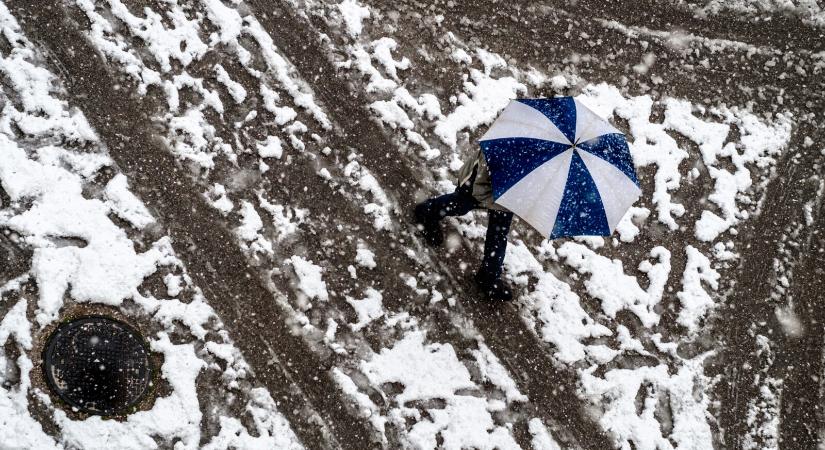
column 779, row 30
column 300, row 42
column 690, row 66
column 752, row 304
column 281, row 360
column 802, row 405
column 797, row 342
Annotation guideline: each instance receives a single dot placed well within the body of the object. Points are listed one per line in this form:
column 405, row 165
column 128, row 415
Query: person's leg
column 430, row 213
column 495, row 246
column 457, row 203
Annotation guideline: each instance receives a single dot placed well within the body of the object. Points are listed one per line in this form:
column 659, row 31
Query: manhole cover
column 97, row 364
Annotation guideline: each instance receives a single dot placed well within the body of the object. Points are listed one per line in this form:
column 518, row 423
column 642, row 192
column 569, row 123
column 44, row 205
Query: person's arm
column 468, row 170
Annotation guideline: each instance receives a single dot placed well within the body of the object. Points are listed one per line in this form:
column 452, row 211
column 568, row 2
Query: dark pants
column 461, row 202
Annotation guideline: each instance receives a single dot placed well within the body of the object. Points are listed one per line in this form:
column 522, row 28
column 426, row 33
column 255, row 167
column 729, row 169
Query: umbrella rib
column 597, row 137
column 532, row 127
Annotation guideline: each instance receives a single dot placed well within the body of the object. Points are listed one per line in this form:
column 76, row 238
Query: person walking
column 558, row 165
column 474, row 191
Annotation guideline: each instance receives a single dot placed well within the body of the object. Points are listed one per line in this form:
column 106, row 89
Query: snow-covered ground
column 317, row 202
column 94, row 243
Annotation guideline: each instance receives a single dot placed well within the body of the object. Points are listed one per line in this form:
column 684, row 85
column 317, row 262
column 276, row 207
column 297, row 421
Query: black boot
column 494, row 288
column 430, row 228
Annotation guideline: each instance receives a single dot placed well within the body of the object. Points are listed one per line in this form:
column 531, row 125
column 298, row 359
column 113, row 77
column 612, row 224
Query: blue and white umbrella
column 561, row 167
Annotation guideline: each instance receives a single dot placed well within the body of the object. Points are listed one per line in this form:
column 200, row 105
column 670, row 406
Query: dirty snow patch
column 368, row 309
column 310, row 281
column 123, row 203
column 354, row 15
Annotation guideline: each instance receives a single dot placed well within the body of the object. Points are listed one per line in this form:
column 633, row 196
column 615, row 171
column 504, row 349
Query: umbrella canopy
column 561, row 167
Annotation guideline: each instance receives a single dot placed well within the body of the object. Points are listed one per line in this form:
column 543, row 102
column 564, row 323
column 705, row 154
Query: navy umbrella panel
column 561, row 167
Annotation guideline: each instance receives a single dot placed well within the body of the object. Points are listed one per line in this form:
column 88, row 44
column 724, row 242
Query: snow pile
column 651, row 144
column 738, row 170
column 285, row 73
column 484, row 97
column 236, row 90
column 180, row 42
column 381, row 207
column 17, row 428
column 271, row 148
column 353, row 14
column 433, row 371
column 553, row 305
column 367, row 309
column 369, row 408
column 310, row 280
column 632, row 421
column 103, row 268
column 493, row 372
column 272, row 430
column 542, row 440
column 695, row 299
column 810, row 11
column 218, row 199
column 606, row 274
column 192, row 138
column 395, row 103
column 365, row 257
column 123, row 203
column 759, row 144
column 250, row 230
column 285, row 219
column 764, row 410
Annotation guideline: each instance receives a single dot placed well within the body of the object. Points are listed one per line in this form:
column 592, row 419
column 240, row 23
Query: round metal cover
column 97, row 364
